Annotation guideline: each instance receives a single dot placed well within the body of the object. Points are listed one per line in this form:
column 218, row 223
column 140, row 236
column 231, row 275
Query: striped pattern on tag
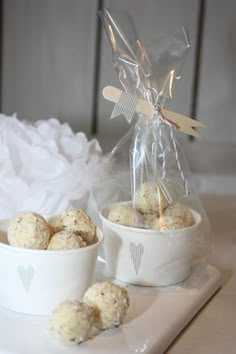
column 125, row 106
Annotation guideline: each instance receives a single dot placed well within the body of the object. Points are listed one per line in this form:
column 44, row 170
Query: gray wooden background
column 56, row 60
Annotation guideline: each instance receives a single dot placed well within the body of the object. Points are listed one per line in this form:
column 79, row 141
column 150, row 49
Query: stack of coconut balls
column 152, row 211
column 72, row 229
column 103, row 306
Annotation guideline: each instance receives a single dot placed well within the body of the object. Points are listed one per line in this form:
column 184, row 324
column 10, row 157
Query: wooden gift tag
column 121, row 98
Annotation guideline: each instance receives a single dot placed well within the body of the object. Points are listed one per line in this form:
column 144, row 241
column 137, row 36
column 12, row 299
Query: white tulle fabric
column 45, row 167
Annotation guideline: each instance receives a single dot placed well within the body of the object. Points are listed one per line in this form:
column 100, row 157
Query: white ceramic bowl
column 35, row 281
column 148, row 257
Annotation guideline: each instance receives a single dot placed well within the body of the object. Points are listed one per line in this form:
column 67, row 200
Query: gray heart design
column 26, row 275
column 136, row 252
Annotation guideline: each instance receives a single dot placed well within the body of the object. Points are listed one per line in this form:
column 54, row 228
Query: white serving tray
column 156, row 316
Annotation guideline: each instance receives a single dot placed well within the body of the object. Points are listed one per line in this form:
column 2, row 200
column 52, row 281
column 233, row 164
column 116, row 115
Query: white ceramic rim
column 49, row 253
column 139, row 230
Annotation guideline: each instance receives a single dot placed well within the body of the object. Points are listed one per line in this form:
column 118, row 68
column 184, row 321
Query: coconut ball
column 180, row 211
column 155, row 224
column 151, row 221
column 29, row 230
column 150, row 199
column 110, row 303
column 175, row 216
column 76, row 220
column 71, row 322
column 170, row 223
column 65, row 240
column 164, row 223
column 56, row 225
column 124, row 214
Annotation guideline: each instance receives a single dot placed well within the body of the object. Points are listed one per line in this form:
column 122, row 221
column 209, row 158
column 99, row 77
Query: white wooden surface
column 152, row 18
column 155, row 317
column 48, row 59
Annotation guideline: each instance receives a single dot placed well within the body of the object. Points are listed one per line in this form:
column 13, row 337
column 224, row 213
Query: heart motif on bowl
column 136, row 252
column 26, row 275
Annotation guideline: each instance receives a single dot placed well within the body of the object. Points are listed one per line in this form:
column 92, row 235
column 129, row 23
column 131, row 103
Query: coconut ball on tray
column 110, row 302
column 29, row 230
column 150, row 199
column 71, row 322
column 64, row 240
column 77, row 221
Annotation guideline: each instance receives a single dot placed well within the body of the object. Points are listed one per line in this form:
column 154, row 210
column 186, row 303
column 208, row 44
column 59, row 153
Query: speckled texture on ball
column 71, row 322
column 151, row 221
column 29, row 230
column 170, row 223
column 150, row 199
column 78, row 221
column 175, row 216
column 180, row 211
column 155, row 223
column 110, row 302
column 124, row 214
column 64, row 240
column 56, row 225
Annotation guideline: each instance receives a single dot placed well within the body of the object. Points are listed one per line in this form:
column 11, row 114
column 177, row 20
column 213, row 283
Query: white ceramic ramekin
column 148, row 257
column 35, row 281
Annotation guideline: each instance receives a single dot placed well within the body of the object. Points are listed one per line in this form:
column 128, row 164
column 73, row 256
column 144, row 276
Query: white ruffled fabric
column 46, row 167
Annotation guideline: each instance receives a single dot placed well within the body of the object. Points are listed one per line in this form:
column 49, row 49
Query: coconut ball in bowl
column 77, row 221
column 158, row 254
column 150, row 199
column 180, row 211
column 29, row 230
column 40, row 270
column 125, row 214
column 64, row 240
